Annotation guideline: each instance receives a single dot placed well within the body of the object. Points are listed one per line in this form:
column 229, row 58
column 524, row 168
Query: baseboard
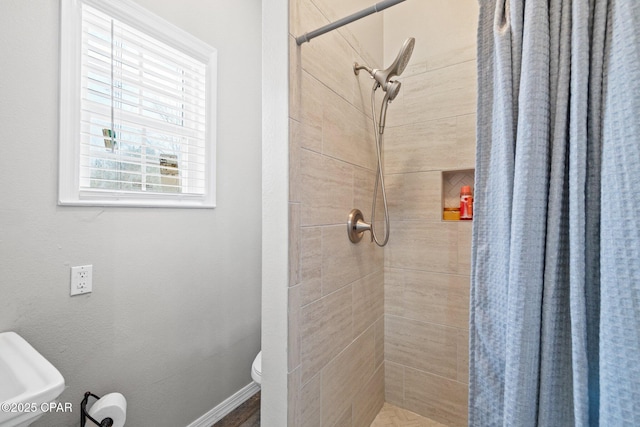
column 224, row 408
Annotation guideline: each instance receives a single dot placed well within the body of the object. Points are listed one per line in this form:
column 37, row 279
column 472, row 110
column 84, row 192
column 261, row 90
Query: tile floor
column 392, row 416
column 248, row 415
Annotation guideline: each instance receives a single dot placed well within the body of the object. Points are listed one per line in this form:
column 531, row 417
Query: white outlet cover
column 81, row 279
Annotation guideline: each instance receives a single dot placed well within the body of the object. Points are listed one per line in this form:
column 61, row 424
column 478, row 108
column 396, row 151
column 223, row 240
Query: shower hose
column 379, row 175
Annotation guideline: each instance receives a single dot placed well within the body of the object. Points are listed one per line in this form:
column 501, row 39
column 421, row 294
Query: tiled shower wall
column 430, row 129
column 336, row 311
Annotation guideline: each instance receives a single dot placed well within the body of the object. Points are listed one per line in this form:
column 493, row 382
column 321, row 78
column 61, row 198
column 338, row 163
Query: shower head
column 393, row 88
column 392, row 92
column 397, row 67
column 383, row 77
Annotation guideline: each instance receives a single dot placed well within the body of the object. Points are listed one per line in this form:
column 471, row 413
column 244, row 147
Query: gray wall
column 174, row 319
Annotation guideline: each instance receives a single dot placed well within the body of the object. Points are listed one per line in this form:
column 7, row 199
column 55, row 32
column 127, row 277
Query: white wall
column 275, row 218
column 174, row 319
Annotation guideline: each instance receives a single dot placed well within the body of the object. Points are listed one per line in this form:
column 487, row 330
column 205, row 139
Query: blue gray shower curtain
column 555, row 301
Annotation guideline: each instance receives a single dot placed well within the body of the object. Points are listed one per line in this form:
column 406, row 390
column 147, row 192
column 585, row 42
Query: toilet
column 256, row 368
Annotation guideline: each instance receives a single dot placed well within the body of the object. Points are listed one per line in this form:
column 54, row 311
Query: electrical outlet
column 81, row 279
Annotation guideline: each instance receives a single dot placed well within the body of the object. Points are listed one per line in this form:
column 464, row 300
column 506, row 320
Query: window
column 137, row 117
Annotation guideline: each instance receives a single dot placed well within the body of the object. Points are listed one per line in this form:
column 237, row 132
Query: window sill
column 135, row 201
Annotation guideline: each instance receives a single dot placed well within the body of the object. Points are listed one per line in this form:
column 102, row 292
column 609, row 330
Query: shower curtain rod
column 378, row 7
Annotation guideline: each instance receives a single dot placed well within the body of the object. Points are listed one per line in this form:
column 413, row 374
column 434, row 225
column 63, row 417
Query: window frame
column 69, row 191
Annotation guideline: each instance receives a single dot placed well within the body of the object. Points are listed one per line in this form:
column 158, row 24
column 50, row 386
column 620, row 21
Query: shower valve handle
column 356, row 226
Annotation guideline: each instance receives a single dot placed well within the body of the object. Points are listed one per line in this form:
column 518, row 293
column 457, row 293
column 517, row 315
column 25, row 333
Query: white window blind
column 145, row 126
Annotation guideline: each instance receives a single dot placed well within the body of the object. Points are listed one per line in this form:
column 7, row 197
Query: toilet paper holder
column 107, row 422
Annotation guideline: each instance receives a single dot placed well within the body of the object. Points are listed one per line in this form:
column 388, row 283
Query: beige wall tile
column 445, row 31
column 463, row 356
column 378, row 328
column 466, row 141
column 394, row 184
column 293, row 396
column 294, row 18
column 454, row 55
column 422, row 196
column 347, row 373
column 347, row 133
column 363, row 197
column 345, row 419
column 445, row 92
column 331, row 171
column 311, row 103
column 464, row 247
column 309, row 397
column 364, row 179
column 365, row 35
column 393, row 291
column 368, row 301
column 304, row 16
column 430, row 246
column 415, row 67
column 344, row 262
column 295, row 79
column 327, row 189
column 394, row 383
column 368, row 401
column 326, row 329
column 414, row 196
column 436, row 298
column 294, row 243
column 421, row 146
column 430, row 128
column 435, row 397
column 307, row 136
column 425, row 346
column 294, row 161
column 294, row 317
column 310, row 264
column 328, row 58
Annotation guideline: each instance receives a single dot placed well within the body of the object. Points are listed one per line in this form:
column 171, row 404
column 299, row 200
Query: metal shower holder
column 356, row 226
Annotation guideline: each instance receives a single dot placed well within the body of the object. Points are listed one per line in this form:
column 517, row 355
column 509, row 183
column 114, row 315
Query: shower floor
column 392, row 416
column 248, row 415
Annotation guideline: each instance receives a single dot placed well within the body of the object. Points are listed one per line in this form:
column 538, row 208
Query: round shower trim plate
column 355, row 232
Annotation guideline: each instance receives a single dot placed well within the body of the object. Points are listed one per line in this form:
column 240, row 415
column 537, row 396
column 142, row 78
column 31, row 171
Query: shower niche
column 452, row 182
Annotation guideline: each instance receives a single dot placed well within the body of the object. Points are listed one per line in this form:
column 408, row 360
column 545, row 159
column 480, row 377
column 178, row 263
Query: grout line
column 413, row 123
column 457, row 328
column 381, row 270
column 427, row 271
column 428, row 70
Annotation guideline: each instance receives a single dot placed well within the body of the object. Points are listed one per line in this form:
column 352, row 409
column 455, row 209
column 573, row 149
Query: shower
column 356, row 226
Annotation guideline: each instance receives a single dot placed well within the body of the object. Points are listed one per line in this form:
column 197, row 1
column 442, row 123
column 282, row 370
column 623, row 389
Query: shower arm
column 378, row 7
column 357, row 67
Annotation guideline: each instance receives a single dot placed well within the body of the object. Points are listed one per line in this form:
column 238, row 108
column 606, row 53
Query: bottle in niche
column 466, row 203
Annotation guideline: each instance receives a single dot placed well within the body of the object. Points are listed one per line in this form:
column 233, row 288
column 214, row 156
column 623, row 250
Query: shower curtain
column 555, row 299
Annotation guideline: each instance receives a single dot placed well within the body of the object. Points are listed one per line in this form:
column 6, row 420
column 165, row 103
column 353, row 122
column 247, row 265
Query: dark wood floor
column 245, row 415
